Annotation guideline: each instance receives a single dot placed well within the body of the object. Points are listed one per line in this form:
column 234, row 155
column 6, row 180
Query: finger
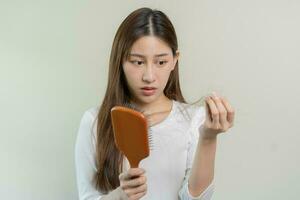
column 214, row 111
column 135, row 182
column 131, row 173
column 137, row 196
column 221, row 108
column 207, row 110
column 230, row 110
column 134, row 172
column 136, row 190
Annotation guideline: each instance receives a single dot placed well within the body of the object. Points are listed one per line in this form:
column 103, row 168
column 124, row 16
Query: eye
column 162, row 62
column 137, row 62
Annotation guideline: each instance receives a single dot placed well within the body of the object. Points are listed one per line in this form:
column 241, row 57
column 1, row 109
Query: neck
column 162, row 104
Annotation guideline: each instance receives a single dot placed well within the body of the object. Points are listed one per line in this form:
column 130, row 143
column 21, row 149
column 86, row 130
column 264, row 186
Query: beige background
column 53, row 61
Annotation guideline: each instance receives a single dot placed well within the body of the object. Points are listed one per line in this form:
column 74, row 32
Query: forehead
column 150, row 46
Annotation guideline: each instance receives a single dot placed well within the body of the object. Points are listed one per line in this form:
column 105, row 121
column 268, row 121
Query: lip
column 148, row 91
column 148, row 88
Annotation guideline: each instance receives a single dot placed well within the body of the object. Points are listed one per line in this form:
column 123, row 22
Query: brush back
column 130, row 133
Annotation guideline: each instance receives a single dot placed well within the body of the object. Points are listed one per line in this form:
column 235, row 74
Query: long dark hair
column 141, row 22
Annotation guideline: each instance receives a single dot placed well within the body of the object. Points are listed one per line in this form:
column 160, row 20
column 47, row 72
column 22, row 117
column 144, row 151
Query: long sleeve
column 85, row 162
column 184, row 193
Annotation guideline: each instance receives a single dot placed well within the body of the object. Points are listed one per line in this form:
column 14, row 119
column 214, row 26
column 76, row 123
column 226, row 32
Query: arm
column 202, row 172
column 200, row 161
column 219, row 116
column 85, row 164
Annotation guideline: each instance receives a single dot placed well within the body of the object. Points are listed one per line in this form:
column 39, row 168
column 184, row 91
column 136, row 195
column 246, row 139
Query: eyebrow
column 142, row 56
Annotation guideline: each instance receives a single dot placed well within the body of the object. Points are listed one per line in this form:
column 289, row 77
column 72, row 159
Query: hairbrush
column 132, row 133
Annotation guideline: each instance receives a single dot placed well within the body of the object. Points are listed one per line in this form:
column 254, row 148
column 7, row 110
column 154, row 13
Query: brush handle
column 134, row 163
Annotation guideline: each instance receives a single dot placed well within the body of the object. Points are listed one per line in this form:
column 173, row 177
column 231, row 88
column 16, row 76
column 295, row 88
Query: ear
column 175, row 59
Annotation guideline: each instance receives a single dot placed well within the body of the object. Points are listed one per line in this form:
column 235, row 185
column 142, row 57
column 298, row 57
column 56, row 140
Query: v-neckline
column 167, row 118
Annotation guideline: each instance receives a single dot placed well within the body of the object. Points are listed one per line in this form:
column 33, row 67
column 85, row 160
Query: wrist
column 208, row 140
column 206, row 135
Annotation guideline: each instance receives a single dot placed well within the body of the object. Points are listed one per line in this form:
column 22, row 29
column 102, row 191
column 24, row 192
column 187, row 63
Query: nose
column 148, row 75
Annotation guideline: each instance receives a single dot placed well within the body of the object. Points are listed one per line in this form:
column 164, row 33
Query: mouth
column 148, row 91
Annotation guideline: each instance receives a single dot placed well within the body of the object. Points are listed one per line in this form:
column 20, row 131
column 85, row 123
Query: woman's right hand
column 133, row 183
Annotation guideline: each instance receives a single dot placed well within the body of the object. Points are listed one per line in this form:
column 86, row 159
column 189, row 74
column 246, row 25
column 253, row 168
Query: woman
column 143, row 71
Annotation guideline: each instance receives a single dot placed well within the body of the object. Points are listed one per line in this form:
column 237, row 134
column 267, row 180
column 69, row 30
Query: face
column 148, row 68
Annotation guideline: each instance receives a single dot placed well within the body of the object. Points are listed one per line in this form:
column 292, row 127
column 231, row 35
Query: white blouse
column 168, row 165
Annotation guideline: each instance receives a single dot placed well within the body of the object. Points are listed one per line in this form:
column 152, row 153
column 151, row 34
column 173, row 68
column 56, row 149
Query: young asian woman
column 143, row 70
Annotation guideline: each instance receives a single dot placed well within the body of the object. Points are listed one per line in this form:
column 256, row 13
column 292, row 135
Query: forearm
column 202, row 173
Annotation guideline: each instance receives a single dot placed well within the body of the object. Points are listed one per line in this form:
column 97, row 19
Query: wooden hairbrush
column 131, row 133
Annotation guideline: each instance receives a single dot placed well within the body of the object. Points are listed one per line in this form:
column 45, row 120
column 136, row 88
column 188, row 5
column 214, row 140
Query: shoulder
column 91, row 112
column 88, row 122
column 89, row 116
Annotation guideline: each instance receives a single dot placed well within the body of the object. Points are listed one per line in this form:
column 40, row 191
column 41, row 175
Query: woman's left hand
column 219, row 116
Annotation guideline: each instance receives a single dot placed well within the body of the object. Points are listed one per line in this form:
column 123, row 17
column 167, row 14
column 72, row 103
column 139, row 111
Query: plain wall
column 54, row 64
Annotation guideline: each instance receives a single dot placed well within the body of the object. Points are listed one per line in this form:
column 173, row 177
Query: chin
column 147, row 99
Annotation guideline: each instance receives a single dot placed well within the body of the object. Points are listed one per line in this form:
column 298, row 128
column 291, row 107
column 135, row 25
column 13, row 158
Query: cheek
column 132, row 75
column 164, row 76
